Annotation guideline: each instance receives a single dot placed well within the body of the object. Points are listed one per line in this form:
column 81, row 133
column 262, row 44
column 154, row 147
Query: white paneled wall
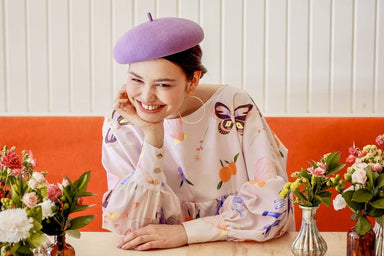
column 295, row 57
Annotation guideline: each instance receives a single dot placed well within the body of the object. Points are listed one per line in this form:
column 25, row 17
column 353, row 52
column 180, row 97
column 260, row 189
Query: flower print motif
column 228, row 119
column 279, row 204
column 175, row 130
column 183, row 178
column 227, row 171
column 200, row 148
column 189, row 217
column 238, row 205
column 221, row 204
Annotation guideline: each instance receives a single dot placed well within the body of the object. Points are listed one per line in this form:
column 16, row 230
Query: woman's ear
column 194, row 82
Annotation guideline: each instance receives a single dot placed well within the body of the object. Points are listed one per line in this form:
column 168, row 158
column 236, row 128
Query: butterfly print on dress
column 228, row 119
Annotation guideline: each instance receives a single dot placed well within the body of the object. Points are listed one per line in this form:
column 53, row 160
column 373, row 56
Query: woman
column 187, row 163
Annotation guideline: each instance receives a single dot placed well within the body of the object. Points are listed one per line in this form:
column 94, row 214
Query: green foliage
column 312, row 185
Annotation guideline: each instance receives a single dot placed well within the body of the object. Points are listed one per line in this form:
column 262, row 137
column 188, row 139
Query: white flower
column 65, row 182
column 38, row 177
column 339, row 202
column 33, row 184
column 359, row 176
column 30, row 199
column 46, row 208
column 14, row 225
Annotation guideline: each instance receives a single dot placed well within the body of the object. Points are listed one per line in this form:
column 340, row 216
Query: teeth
column 150, row 107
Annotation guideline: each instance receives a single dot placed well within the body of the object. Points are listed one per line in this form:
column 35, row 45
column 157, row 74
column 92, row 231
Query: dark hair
column 189, row 60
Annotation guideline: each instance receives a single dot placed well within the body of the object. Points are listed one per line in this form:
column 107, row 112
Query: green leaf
column 235, row 158
column 362, row 196
column 362, row 225
column 379, row 203
column 82, row 208
column 351, row 204
column 36, row 240
column 370, row 178
column 374, row 212
column 219, row 185
column 380, row 181
column 84, row 194
column 73, row 233
column 80, row 222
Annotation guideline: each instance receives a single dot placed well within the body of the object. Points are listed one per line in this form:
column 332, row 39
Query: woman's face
column 157, row 89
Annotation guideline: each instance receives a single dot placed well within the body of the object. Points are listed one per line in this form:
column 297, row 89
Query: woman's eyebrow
column 156, row 80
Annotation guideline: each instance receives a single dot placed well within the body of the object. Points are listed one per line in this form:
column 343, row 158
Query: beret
column 157, row 38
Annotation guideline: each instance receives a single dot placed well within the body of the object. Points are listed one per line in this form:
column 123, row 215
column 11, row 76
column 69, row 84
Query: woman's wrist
column 155, row 136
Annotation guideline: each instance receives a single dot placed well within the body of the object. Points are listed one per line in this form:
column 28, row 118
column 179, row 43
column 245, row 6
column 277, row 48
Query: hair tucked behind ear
column 189, row 60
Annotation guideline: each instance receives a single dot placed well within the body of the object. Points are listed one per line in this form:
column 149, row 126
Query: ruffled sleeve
column 256, row 212
column 138, row 192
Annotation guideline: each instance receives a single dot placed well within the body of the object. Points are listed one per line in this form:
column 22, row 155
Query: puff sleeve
column 138, row 193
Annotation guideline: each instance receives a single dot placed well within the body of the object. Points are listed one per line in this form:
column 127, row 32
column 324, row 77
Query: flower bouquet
column 312, row 185
column 310, row 188
column 365, row 196
column 31, row 207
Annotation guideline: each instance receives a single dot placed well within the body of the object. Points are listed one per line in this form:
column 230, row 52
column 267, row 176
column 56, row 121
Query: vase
column 309, row 242
column 379, row 232
column 60, row 248
column 360, row 245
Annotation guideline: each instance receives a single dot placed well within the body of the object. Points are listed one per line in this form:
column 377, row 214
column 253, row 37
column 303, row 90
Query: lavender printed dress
column 220, row 178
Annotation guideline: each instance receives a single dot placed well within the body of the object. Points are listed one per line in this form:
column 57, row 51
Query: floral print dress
column 220, row 177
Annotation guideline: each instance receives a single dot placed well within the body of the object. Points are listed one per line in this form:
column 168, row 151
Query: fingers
column 139, row 240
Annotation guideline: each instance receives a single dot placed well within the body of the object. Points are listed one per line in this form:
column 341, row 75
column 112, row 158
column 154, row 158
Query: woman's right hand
column 153, row 132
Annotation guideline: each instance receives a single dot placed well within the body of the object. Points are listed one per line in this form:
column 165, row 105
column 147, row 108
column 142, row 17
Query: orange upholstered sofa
column 71, row 145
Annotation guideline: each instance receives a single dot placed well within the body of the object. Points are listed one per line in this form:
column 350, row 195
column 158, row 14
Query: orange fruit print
column 226, row 172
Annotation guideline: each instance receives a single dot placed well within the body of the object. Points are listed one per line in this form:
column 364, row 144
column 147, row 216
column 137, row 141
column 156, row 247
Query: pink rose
column 12, row 161
column 350, row 159
column 30, row 199
column 54, row 192
column 380, row 140
column 318, row 172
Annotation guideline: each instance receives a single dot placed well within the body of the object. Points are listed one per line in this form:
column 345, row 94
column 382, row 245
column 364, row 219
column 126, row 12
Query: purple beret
column 157, row 38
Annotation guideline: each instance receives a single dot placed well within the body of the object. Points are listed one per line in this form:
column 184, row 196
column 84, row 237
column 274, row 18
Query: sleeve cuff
column 206, row 229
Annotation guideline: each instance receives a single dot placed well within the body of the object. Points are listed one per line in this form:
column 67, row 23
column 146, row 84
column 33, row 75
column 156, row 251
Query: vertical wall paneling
column 297, row 56
column 81, row 47
column 37, row 55
column 254, row 50
column 142, row 7
column 3, row 66
column 101, row 27
column 122, row 20
column 341, row 71
column 232, row 43
column 363, row 79
column 319, row 52
column 167, row 8
column 59, row 57
column 17, row 77
column 379, row 59
column 189, row 9
column 275, row 65
column 210, row 18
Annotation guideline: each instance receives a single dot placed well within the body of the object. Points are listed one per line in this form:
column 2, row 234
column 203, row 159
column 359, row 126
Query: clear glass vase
column 379, row 232
column 309, row 242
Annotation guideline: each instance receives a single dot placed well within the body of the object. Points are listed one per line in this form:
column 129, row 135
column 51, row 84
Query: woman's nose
column 148, row 93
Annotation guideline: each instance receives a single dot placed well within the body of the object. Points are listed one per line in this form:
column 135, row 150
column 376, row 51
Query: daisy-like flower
column 14, row 225
column 46, row 208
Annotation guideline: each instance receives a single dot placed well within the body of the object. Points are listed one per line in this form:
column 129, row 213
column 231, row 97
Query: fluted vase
column 379, row 233
column 309, row 242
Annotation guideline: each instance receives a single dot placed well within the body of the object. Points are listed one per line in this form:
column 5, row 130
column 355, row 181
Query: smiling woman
column 186, row 171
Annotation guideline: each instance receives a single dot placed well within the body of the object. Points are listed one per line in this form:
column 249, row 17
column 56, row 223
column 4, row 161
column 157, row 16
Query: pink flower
column 80, row 201
column 54, row 192
column 319, row 171
column 380, row 140
column 377, row 167
column 17, row 172
column 30, row 199
column 353, row 151
column 350, row 159
column 12, row 161
column 31, row 159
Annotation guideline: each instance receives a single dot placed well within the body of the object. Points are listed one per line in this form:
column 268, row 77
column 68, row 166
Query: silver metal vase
column 309, row 242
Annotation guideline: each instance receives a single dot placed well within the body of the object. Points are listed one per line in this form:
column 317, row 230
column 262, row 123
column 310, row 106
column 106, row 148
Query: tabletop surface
column 104, row 243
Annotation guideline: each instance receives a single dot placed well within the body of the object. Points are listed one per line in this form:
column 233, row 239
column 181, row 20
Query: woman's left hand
column 154, row 236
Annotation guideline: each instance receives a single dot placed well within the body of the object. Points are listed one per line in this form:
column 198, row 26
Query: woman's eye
column 136, row 80
column 163, row 85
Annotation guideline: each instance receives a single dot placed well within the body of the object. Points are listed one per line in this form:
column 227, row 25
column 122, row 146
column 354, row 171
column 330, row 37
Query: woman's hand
column 153, row 132
column 154, row 236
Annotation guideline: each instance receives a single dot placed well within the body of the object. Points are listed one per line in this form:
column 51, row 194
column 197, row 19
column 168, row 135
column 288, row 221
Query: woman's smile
column 149, row 108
